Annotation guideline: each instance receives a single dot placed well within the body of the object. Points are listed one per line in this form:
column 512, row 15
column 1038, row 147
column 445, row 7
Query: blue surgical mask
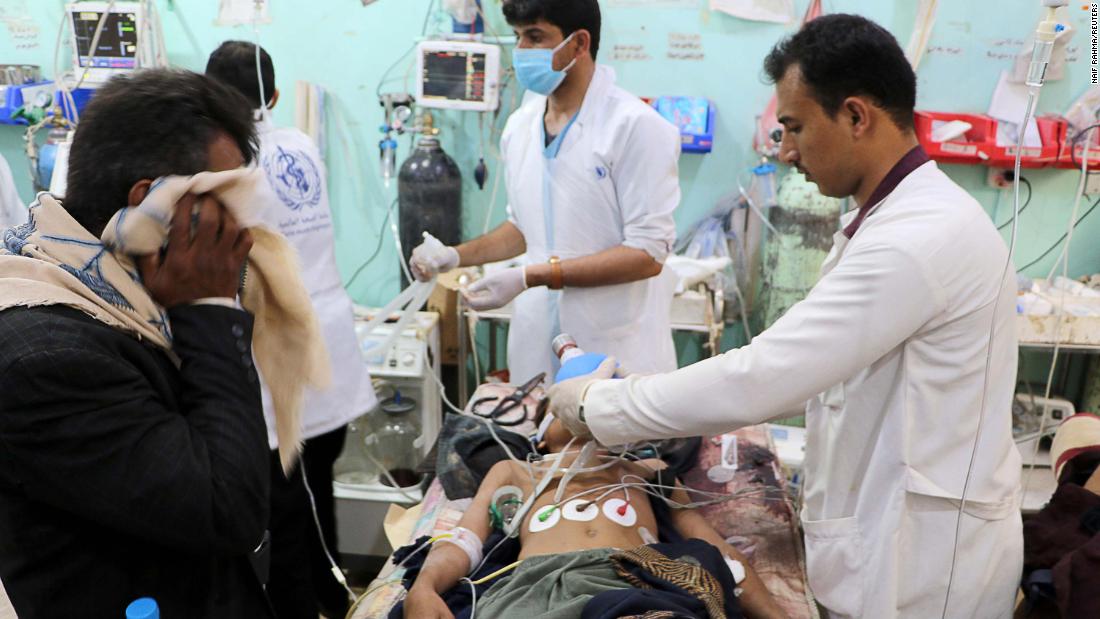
column 535, row 68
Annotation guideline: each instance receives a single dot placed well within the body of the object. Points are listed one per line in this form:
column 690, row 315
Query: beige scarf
column 52, row 260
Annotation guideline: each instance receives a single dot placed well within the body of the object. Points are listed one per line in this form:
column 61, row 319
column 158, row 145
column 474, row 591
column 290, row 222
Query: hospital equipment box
column 979, row 144
column 694, row 117
column 973, row 146
column 15, row 96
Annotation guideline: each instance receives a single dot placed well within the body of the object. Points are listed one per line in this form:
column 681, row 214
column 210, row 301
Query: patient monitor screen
column 454, row 76
column 117, row 45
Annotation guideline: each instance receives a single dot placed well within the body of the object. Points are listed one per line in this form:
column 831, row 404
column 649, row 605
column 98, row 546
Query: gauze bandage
column 469, row 542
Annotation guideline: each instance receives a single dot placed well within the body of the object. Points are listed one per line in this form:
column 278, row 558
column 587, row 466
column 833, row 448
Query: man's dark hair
column 568, row 15
column 842, row 56
column 234, row 62
column 145, row 125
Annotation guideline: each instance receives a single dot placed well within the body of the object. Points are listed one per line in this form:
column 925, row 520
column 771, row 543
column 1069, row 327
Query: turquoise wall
column 346, row 47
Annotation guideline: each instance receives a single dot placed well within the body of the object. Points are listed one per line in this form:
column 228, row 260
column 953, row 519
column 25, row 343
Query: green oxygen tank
column 805, row 222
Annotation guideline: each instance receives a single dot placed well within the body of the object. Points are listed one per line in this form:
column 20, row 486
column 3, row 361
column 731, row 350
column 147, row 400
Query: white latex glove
column 431, row 258
column 496, row 290
column 567, row 397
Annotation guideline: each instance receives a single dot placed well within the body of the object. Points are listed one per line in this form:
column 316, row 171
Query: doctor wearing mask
column 592, row 183
column 909, row 397
column 301, row 581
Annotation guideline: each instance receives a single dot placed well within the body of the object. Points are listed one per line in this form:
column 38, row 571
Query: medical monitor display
column 117, row 45
column 454, row 75
column 458, row 75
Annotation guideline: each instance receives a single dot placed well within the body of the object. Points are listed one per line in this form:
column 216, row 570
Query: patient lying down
column 582, row 548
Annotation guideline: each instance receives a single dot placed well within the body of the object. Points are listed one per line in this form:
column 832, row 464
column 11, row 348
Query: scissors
column 508, row 403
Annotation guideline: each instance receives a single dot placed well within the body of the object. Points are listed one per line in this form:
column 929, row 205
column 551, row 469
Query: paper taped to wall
column 241, row 13
column 774, row 11
column 1007, row 106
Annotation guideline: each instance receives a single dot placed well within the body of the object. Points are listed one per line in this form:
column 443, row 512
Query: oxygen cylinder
column 47, row 158
column 805, row 222
column 429, row 195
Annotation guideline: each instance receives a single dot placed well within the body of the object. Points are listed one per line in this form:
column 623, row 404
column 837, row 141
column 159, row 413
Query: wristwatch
column 556, row 277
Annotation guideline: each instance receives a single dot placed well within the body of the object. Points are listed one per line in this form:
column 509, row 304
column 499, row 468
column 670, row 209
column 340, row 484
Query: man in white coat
column 592, row 182
column 905, row 351
column 296, row 196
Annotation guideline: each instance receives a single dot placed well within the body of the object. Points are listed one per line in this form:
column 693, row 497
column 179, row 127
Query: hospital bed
column 763, row 525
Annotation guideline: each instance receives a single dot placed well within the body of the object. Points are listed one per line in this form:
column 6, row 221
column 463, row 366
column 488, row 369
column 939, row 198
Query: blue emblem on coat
column 294, row 177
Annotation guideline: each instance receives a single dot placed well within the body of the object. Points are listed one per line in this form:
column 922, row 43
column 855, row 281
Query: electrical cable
column 337, row 573
column 377, row 248
column 1022, row 208
column 493, row 197
column 259, row 70
column 648, row 486
column 427, row 16
column 359, row 600
column 382, row 469
column 473, row 347
column 644, row 485
column 498, row 156
column 423, row 31
column 59, row 76
column 1060, row 239
column 1076, row 139
column 160, row 51
column 743, row 308
column 1063, row 259
column 503, row 570
column 66, row 90
column 574, row 468
column 755, row 208
column 1028, row 111
column 389, row 477
column 473, row 597
column 358, row 188
column 93, row 46
column 400, row 250
column 485, row 21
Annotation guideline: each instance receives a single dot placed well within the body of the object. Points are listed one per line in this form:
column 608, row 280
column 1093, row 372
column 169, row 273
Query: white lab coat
column 893, row 340
column 297, row 198
column 13, row 211
column 613, row 182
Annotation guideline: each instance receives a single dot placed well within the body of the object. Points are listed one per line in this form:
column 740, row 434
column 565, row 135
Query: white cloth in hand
column 567, row 397
column 431, row 258
column 496, row 290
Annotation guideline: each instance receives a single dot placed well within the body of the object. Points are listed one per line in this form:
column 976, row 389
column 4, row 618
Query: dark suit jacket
column 123, row 476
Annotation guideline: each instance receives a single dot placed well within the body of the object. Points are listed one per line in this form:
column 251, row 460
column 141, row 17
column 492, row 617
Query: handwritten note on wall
column 684, row 46
column 630, row 53
column 23, row 29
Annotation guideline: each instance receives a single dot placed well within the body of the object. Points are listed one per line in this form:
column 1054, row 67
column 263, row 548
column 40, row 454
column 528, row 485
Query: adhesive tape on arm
column 736, row 569
column 469, row 542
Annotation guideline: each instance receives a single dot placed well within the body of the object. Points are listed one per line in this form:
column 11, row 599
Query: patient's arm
column 446, row 564
column 755, row 599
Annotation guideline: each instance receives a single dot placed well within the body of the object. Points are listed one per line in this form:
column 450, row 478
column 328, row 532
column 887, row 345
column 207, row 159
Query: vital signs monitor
column 458, row 75
column 116, row 51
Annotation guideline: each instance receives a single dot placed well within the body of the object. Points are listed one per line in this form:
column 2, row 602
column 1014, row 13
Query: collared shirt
column 912, row 160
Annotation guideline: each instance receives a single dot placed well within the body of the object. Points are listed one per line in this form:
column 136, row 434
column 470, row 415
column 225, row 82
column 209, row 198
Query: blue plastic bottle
column 574, row 361
column 143, row 608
